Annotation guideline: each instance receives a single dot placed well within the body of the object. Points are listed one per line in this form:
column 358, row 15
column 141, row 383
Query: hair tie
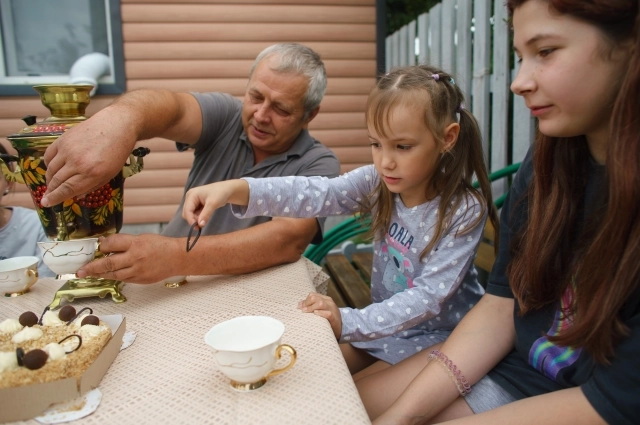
column 452, row 370
column 460, row 108
column 435, row 77
column 452, row 81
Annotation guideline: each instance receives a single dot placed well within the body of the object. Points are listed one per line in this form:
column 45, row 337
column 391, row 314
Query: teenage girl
column 20, row 229
column 556, row 339
column 427, row 219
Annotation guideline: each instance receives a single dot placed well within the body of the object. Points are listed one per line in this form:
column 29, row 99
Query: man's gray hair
column 298, row 59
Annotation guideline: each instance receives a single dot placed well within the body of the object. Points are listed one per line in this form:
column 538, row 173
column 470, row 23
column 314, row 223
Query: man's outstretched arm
column 90, row 154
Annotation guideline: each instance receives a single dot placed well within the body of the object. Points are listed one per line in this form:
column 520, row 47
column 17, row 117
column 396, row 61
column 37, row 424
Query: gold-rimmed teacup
column 246, row 350
column 17, row 275
column 67, row 257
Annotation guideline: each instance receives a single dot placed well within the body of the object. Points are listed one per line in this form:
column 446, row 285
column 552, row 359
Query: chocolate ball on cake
column 35, row 359
column 28, row 318
column 67, row 313
column 90, row 320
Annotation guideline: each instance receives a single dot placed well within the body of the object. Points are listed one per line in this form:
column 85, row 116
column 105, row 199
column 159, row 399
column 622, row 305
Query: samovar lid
column 67, row 103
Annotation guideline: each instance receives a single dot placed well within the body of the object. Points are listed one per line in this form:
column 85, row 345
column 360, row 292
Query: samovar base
column 88, row 287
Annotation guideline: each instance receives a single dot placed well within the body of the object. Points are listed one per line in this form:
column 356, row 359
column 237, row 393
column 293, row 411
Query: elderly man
column 264, row 135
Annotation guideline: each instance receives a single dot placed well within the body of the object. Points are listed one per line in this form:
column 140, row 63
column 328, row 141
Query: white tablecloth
column 168, row 376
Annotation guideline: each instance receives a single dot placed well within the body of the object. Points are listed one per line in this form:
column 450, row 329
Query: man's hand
column 200, row 202
column 323, row 306
column 145, row 258
column 87, row 156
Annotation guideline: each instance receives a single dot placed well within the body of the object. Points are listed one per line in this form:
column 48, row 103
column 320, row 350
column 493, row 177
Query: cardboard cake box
column 29, row 401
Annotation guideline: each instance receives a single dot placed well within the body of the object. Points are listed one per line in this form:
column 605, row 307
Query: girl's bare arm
column 478, row 343
column 564, row 407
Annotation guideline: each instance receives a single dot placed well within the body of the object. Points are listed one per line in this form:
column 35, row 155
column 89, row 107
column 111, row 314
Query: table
column 169, row 375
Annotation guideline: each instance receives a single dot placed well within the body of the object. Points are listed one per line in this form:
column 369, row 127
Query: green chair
column 357, row 225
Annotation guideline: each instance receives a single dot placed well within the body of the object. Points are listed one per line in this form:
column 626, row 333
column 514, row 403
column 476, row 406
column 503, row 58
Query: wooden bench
column 349, row 280
column 349, row 283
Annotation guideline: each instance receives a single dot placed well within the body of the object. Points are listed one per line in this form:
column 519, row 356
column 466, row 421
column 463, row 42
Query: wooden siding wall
column 209, row 45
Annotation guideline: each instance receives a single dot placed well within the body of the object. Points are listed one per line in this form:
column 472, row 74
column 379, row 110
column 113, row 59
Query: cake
column 55, row 346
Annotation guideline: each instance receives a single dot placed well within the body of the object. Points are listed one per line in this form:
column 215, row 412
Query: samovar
column 98, row 213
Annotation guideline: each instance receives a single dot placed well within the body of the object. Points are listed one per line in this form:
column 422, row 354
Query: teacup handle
column 100, row 254
column 292, row 353
column 32, row 273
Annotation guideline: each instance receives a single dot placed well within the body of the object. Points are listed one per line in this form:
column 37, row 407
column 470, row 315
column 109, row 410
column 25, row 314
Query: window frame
column 117, row 86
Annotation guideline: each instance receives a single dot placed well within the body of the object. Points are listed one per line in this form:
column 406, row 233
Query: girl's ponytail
column 465, row 161
column 470, row 135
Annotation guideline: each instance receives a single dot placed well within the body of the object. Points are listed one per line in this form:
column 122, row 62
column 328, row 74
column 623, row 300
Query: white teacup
column 17, row 275
column 246, row 349
column 67, row 257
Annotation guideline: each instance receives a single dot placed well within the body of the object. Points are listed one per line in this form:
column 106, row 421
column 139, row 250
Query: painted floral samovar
column 98, row 213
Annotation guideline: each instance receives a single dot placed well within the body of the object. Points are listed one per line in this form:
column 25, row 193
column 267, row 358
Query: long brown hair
column 603, row 266
column 438, row 102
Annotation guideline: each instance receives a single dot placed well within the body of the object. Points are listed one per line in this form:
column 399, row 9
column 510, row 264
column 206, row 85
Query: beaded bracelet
column 461, row 382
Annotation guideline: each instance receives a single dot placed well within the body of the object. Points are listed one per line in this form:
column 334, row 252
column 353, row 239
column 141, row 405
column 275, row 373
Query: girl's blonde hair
column 438, row 102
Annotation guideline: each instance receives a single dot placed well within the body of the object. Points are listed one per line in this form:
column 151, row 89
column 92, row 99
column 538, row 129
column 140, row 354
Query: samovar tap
column 61, row 223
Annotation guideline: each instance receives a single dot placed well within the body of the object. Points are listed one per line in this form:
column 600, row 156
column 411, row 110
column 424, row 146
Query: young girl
column 563, row 300
column 427, row 219
column 20, row 229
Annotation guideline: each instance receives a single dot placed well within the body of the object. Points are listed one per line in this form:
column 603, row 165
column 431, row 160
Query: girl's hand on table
column 323, row 306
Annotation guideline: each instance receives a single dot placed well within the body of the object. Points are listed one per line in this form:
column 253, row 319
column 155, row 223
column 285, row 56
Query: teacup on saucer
column 67, row 257
column 17, row 275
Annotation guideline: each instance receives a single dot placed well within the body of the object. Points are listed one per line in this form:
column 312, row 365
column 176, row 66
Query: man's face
column 272, row 110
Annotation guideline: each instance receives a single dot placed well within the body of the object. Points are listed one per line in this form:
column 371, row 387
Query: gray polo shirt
column 224, row 152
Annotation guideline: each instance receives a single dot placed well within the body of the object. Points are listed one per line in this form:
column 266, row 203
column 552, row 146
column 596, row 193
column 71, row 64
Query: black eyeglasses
column 190, row 244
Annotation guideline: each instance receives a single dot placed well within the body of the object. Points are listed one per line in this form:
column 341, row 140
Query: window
column 42, row 39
